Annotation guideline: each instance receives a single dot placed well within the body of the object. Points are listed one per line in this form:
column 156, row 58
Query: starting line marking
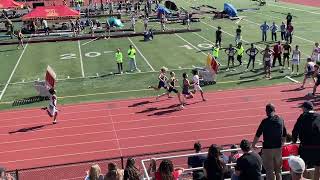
column 291, row 79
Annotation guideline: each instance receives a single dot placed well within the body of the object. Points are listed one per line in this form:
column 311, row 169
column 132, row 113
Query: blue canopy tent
column 230, row 10
column 162, row 10
column 115, row 22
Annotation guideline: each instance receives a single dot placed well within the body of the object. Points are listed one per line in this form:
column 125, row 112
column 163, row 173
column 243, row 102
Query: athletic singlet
column 295, row 54
column 231, row 52
column 286, row 49
column 53, row 100
column 162, row 77
column 196, row 80
column 267, row 55
column 310, row 67
column 252, row 52
column 172, row 82
column 185, row 88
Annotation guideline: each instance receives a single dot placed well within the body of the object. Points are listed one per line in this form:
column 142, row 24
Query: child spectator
column 214, row 167
column 114, row 173
column 94, row 173
column 197, row 161
column 167, row 172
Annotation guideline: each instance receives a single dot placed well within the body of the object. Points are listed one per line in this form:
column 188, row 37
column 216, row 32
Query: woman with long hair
column 114, row 173
column 131, row 172
column 214, row 166
column 94, row 173
column 167, row 172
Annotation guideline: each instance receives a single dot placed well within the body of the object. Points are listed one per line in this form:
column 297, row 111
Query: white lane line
column 159, row 134
column 296, row 9
column 115, row 132
column 144, row 58
column 291, row 79
column 81, row 62
column 13, row 71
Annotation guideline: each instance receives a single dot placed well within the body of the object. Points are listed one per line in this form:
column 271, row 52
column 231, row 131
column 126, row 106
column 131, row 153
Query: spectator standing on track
column 249, row 165
column 289, row 19
column 264, row 29
column 214, row 167
column 289, row 32
column 252, row 53
column 131, row 172
column 277, row 53
column 166, row 171
column 307, row 129
column 238, row 35
column 274, row 29
column 283, row 31
column 297, row 168
column 94, row 173
column 274, row 132
column 286, row 54
column 219, row 36
column 288, row 150
column 119, row 60
column 132, row 59
column 114, row 173
column 197, row 161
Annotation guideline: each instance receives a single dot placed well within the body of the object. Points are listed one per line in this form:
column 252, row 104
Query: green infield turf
column 85, row 68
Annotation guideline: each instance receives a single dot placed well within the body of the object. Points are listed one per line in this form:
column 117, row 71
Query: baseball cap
column 296, row 164
column 307, row 105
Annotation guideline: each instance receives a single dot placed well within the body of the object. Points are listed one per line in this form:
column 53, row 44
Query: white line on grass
column 13, row 71
column 144, row 58
column 195, row 47
column 80, row 55
column 291, row 79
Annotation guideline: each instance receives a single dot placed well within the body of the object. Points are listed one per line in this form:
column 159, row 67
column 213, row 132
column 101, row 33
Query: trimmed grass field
column 77, row 65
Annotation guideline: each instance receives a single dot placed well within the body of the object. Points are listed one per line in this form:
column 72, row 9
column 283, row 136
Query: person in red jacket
column 277, row 52
column 288, row 150
column 289, row 33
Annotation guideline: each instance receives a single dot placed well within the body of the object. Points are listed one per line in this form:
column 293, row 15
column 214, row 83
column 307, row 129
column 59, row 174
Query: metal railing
column 189, row 170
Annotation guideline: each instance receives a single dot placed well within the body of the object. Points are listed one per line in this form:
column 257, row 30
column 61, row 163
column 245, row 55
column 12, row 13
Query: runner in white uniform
column 296, row 55
column 309, row 72
column 196, row 83
column 315, row 56
column 52, row 107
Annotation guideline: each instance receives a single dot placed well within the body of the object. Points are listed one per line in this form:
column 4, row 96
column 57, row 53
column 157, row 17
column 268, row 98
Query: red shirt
column 277, row 49
column 290, row 28
column 288, row 150
column 175, row 174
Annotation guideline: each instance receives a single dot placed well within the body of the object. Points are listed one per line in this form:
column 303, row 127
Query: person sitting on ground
column 297, row 168
column 148, row 35
column 166, row 171
column 214, row 167
column 94, row 173
column 249, row 165
column 114, row 173
column 131, row 172
column 197, row 161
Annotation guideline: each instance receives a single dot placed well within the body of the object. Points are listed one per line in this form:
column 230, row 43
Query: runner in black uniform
column 219, row 36
column 185, row 88
column 231, row 51
column 286, row 53
column 172, row 88
column 252, row 52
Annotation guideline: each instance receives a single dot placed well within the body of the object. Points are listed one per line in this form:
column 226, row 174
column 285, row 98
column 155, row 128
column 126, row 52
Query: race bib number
column 252, row 53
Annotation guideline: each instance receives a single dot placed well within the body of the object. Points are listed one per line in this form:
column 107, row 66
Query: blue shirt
column 264, row 27
column 274, row 28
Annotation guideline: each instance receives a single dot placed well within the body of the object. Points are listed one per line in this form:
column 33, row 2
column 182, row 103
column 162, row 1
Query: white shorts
column 315, row 57
column 197, row 88
column 52, row 110
column 295, row 61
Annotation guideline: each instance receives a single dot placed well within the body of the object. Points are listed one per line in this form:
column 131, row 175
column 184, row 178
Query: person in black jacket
column 274, row 134
column 307, row 129
column 214, row 167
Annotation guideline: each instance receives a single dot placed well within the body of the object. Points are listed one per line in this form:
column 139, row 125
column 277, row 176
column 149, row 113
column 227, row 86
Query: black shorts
column 230, row 58
column 161, row 85
column 317, row 82
column 171, row 89
column 267, row 64
column 309, row 74
column 286, row 56
column 239, row 57
column 185, row 92
column 311, row 156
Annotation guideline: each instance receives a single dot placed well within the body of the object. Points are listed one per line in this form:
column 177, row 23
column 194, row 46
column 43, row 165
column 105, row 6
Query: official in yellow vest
column 215, row 52
column 119, row 60
column 132, row 59
column 240, row 52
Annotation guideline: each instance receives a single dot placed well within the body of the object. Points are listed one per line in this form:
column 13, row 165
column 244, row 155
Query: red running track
column 312, row 3
column 129, row 127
